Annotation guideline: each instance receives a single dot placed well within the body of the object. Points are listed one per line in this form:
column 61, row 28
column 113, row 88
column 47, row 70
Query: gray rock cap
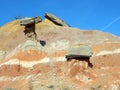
column 28, row 21
column 56, row 20
column 81, row 51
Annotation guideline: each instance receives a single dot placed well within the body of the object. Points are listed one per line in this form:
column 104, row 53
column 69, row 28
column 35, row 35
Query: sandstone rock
column 79, row 52
column 115, row 87
column 2, row 54
column 34, row 58
column 97, row 87
column 56, row 20
column 8, row 88
column 28, row 21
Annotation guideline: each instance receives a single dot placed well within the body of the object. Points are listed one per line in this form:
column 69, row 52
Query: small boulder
column 29, row 21
column 56, row 20
column 79, row 52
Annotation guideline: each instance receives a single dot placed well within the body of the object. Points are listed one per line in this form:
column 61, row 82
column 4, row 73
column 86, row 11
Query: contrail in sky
column 108, row 25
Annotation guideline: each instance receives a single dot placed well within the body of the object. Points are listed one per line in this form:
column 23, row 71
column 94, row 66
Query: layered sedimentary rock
column 42, row 64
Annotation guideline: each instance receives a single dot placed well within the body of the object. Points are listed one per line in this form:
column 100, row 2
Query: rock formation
column 29, row 24
column 56, row 20
column 29, row 65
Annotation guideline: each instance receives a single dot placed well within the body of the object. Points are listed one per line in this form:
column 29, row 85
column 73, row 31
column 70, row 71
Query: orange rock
column 29, row 55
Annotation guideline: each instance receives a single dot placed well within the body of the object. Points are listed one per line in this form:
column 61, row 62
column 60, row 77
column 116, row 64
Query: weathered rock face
column 82, row 51
column 42, row 65
column 29, row 24
column 56, row 20
column 28, row 21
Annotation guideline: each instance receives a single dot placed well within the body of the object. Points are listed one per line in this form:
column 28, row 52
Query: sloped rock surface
column 41, row 65
column 56, row 20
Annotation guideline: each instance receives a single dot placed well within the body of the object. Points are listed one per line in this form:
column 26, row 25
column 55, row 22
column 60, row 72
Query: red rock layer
column 29, row 55
column 106, row 60
column 12, row 70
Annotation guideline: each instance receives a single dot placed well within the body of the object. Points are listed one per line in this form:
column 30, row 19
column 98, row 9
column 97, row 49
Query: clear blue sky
column 84, row 14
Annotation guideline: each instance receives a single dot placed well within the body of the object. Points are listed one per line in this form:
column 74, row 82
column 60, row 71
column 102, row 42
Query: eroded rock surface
column 42, row 65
